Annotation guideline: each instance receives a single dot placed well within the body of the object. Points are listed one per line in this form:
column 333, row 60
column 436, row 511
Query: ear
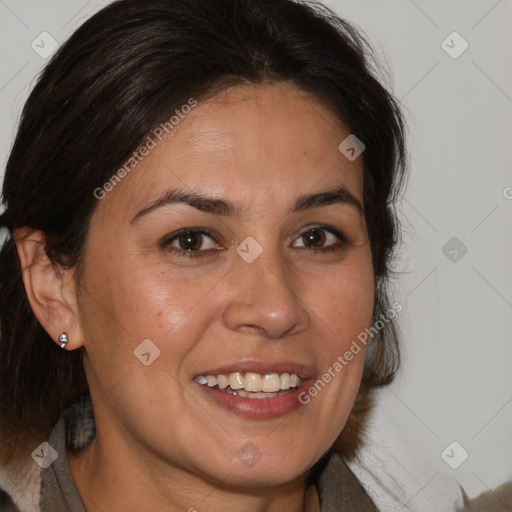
column 51, row 290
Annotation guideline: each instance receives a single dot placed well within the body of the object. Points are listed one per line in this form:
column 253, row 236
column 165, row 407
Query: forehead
column 267, row 142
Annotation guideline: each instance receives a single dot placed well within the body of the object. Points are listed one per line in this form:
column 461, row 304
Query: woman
column 193, row 304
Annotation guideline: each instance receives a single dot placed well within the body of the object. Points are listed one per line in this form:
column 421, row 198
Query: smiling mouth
column 252, row 385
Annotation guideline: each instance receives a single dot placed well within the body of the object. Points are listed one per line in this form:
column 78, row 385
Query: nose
column 265, row 299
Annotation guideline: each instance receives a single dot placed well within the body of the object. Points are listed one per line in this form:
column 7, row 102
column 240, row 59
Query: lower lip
column 257, row 408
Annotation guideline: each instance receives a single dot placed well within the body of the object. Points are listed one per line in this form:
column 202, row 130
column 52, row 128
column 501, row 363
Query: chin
column 265, row 476
column 256, row 468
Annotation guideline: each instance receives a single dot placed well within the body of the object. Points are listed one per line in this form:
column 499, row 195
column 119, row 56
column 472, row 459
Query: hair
column 121, row 74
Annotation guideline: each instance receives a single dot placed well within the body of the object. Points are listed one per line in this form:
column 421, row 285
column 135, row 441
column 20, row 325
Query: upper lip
column 306, row 372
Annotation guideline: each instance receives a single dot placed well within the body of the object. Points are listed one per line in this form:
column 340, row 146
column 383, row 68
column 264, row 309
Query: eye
column 191, row 242
column 321, row 238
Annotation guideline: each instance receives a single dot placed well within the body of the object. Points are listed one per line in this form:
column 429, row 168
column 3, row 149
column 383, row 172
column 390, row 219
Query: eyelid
column 331, row 229
column 210, row 233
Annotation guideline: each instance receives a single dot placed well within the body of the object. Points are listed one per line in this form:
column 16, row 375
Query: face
column 237, row 249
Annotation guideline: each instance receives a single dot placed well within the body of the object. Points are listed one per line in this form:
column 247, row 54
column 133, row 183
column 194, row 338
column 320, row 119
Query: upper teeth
column 269, row 382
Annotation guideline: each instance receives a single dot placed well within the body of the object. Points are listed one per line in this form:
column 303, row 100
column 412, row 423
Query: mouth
column 254, row 390
column 252, row 385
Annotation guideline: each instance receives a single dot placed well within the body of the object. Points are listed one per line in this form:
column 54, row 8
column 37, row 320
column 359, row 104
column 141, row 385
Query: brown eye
column 321, row 238
column 314, row 238
column 190, row 241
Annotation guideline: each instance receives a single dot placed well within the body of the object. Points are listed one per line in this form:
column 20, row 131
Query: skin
column 161, row 443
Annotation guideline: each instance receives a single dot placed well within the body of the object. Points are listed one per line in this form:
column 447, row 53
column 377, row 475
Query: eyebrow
column 214, row 206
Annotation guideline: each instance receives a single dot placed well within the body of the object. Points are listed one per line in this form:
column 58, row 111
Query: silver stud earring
column 63, row 340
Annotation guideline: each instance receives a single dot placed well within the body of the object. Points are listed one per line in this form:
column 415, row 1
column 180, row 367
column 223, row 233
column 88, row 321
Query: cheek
column 343, row 301
column 140, row 296
column 130, row 303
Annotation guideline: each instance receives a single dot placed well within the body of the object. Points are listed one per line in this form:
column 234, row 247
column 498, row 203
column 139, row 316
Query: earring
column 63, row 340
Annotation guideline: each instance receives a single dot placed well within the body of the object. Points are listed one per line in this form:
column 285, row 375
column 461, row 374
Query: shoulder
column 495, row 500
column 20, row 484
column 31, row 479
column 340, row 490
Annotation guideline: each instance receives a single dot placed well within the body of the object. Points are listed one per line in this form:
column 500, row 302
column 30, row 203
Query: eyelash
column 342, row 241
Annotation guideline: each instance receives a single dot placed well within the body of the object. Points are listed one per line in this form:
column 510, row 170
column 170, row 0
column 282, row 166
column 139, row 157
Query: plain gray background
column 456, row 382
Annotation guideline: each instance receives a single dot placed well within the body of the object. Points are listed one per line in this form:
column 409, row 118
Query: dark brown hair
column 121, row 74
